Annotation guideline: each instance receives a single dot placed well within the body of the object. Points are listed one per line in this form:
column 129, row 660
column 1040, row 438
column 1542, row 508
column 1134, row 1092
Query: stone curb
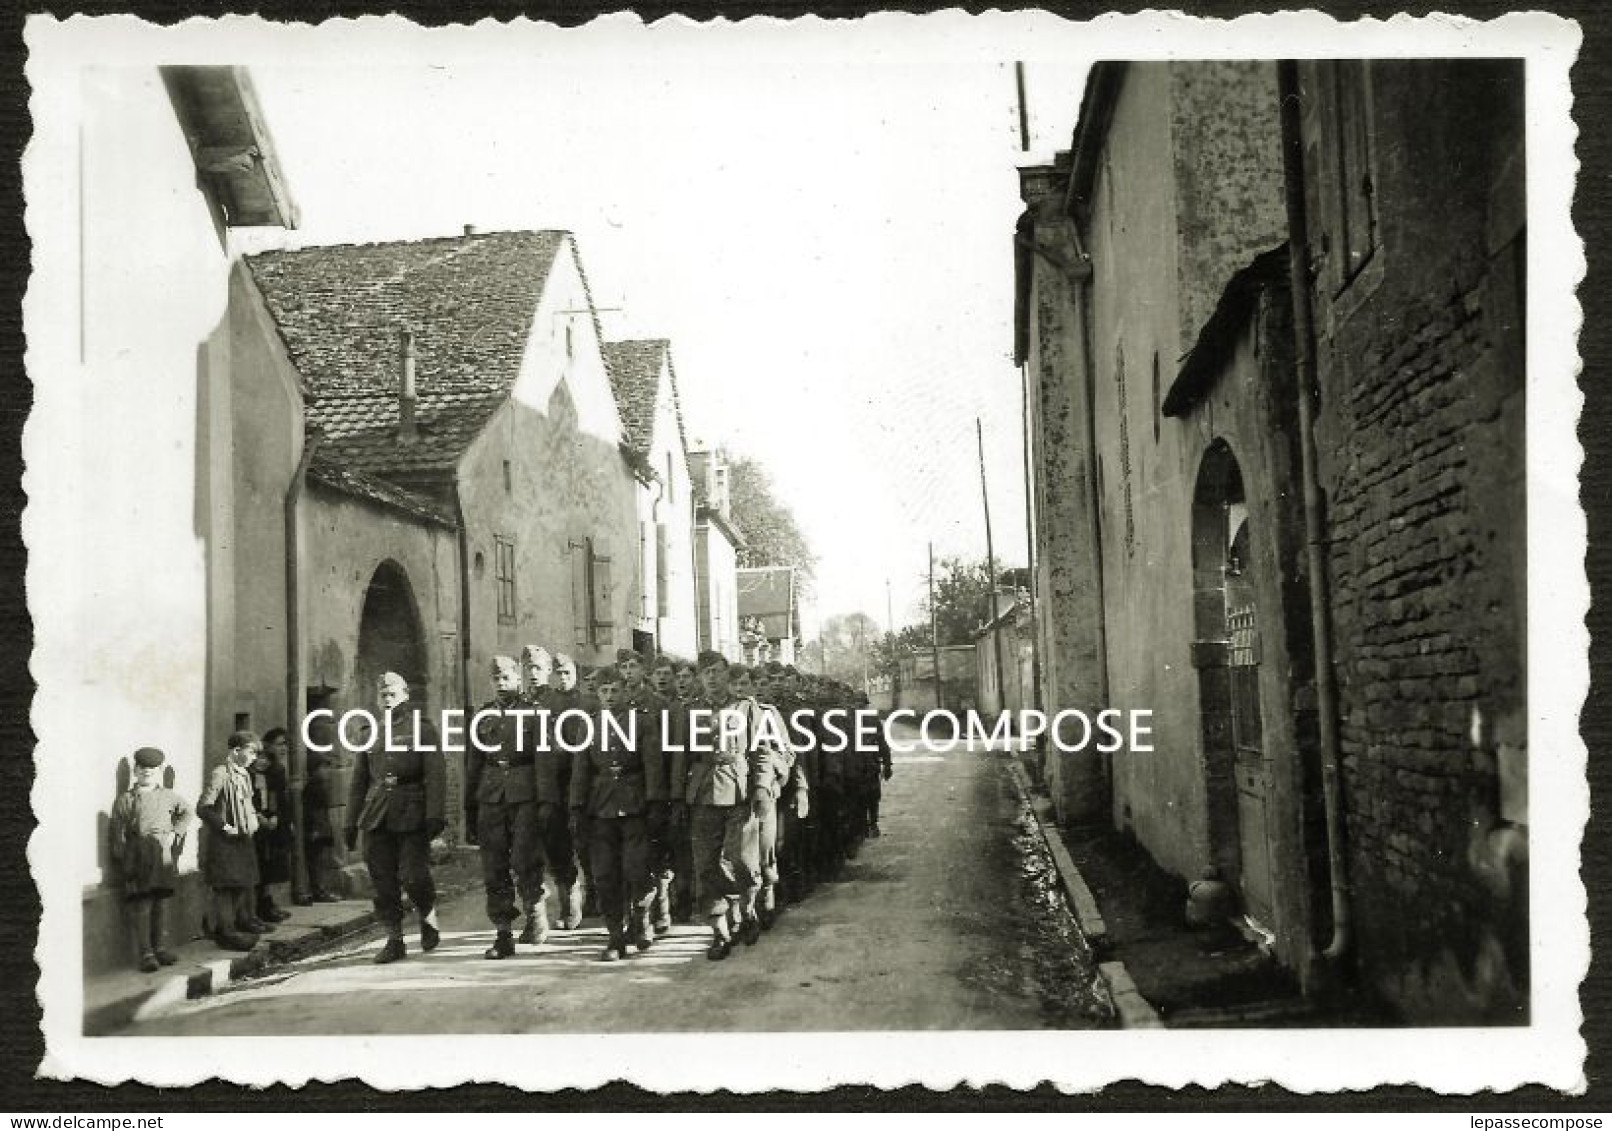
column 1130, row 1007
column 205, row 970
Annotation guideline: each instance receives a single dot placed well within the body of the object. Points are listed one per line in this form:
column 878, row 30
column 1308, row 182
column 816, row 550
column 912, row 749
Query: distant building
column 1157, row 321
column 717, row 542
column 769, row 613
column 1010, row 635
column 645, row 383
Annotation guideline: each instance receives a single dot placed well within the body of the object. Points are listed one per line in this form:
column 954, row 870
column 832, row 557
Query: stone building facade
column 1166, row 361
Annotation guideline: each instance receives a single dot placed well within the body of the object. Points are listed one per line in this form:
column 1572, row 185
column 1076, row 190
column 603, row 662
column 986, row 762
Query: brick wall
column 1421, row 436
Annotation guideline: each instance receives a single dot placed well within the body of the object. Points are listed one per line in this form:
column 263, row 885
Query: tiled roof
column 635, row 378
column 766, row 589
column 367, row 487
column 469, row 301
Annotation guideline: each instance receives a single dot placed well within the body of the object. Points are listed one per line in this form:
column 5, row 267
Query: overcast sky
column 819, row 217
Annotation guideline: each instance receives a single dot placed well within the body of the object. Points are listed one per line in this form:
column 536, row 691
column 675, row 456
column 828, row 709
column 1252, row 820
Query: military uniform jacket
column 507, row 774
column 399, row 790
column 650, row 706
column 772, row 762
column 808, row 755
column 720, row 772
column 611, row 778
column 551, row 768
column 831, row 764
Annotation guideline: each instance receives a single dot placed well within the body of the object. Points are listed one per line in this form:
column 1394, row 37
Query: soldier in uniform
column 773, row 767
column 879, row 771
column 714, row 780
column 636, row 694
column 501, row 805
column 397, row 799
column 612, row 784
column 797, row 824
column 588, row 694
column 684, row 696
column 568, row 865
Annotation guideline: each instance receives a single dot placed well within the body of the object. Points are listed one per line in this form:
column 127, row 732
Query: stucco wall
column 568, row 481
column 344, row 542
column 668, row 503
column 1164, row 243
column 717, row 594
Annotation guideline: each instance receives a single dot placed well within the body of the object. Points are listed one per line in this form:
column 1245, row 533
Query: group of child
column 246, row 807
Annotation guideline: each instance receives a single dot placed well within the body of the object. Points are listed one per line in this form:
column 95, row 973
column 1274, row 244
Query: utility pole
column 990, row 564
column 934, row 634
column 1024, row 108
column 890, row 637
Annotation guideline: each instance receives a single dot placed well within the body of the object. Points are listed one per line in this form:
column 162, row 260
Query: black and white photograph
column 924, row 549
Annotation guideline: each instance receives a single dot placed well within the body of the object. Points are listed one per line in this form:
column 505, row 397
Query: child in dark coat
column 149, row 824
column 271, row 797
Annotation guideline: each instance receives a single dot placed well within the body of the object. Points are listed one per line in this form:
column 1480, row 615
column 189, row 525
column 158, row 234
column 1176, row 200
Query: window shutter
column 603, row 619
column 579, row 592
column 646, row 545
column 662, row 568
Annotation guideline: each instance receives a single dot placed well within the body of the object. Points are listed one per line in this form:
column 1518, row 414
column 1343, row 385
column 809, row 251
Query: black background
column 21, row 1045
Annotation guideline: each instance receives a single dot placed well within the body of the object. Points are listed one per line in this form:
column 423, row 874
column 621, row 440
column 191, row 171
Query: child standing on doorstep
column 149, row 823
column 230, row 861
column 271, row 797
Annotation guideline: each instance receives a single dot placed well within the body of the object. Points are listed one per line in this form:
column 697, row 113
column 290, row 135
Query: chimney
column 407, row 396
column 470, row 230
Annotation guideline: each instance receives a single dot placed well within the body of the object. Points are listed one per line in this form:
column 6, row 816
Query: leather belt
column 506, row 763
column 395, row 779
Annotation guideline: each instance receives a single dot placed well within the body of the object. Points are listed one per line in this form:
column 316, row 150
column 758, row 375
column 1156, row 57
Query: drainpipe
column 294, row 704
column 464, row 593
column 1326, row 692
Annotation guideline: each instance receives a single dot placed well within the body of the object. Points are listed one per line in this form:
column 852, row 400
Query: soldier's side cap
column 606, row 673
column 535, row 654
column 712, row 659
column 149, row 757
column 774, row 668
column 391, row 681
column 505, row 665
column 623, row 655
column 241, row 739
column 561, row 660
column 791, row 669
column 663, row 661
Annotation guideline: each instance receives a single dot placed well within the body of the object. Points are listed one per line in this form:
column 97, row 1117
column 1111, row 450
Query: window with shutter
column 580, row 596
column 646, row 570
column 504, row 572
column 604, row 624
column 662, row 568
column 1349, row 204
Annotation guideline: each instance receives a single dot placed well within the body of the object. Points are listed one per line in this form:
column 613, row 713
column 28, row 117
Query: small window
column 243, row 720
column 504, row 576
column 569, row 347
column 509, row 479
column 1158, row 405
column 671, row 481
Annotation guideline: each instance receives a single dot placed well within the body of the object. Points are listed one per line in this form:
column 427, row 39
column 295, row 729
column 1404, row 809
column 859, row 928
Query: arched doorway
column 389, row 638
column 1227, row 656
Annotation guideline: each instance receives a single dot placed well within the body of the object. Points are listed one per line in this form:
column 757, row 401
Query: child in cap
column 148, row 828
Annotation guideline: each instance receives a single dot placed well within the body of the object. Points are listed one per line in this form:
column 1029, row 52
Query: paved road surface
column 943, row 923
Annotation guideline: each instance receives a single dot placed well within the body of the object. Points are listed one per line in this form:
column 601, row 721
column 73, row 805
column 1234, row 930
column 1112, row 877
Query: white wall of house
column 125, row 323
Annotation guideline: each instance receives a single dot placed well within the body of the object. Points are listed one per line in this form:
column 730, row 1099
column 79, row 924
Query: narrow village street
column 947, row 921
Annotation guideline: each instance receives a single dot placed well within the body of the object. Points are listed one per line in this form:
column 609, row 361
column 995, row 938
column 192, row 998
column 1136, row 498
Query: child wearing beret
column 148, row 829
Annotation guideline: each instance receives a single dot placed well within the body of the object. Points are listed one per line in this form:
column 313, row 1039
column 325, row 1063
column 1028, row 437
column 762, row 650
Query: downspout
column 294, row 704
column 1315, row 540
column 464, row 593
column 1088, row 367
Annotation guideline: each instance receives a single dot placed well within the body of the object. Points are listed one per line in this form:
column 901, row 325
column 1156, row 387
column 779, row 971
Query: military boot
column 661, row 920
column 159, row 934
column 503, row 946
column 536, row 928
column 392, row 951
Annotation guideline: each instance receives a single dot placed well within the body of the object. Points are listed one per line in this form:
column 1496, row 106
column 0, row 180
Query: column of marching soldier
column 663, row 828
